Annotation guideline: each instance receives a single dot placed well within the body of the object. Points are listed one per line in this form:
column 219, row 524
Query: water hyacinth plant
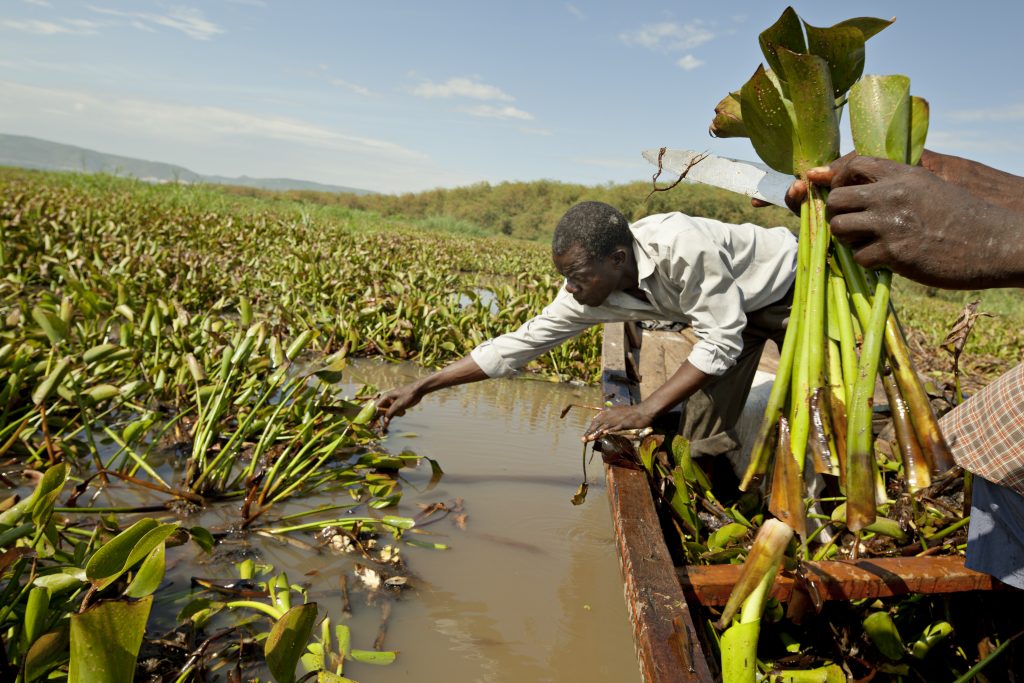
column 842, row 330
column 791, row 112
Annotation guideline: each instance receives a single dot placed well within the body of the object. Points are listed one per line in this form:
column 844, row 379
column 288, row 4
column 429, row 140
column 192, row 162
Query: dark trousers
column 709, row 416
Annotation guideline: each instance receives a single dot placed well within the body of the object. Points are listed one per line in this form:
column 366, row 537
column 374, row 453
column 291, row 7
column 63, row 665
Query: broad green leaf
column 816, row 142
column 767, row 121
column 105, row 641
column 51, row 324
column 101, row 392
column 398, row 522
column 125, row 550
column 71, row 577
column 48, row 651
column 918, row 128
column 739, row 652
column 728, row 121
column 366, row 414
column 149, row 576
column 884, row 635
column 842, row 48
column 869, row 26
column 373, row 657
column 344, row 636
column 786, row 32
column 48, row 385
column 880, row 117
column 287, row 641
column 313, row 658
column 46, row 493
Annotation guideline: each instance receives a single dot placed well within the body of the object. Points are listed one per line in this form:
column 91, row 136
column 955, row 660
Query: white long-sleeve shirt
column 698, row 271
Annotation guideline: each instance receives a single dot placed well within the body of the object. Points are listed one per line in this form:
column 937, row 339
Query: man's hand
column 617, row 419
column 395, row 402
column 908, row 219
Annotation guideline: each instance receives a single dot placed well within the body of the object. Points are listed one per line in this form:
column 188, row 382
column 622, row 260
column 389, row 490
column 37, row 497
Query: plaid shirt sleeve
column 986, row 432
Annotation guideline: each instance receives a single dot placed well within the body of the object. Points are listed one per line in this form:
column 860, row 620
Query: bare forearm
column 984, row 182
column 462, row 371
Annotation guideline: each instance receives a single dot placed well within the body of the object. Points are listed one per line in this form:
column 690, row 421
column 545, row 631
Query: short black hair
column 595, row 226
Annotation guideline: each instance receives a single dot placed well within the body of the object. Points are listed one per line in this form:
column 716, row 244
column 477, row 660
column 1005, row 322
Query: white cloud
column 1010, row 112
column 575, row 11
column 188, row 20
column 689, row 63
column 49, row 28
column 462, row 87
column 351, row 87
column 39, row 3
column 488, row 111
column 669, row 36
column 186, row 122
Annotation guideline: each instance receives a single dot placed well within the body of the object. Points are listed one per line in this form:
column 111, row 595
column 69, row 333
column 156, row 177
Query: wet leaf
column 379, row 658
column 51, row 324
column 49, row 650
column 787, row 32
column 869, row 26
column 202, row 537
column 880, row 117
column 105, row 641
column 125, row 550
column 149, row 576
column 768, row 121
column 287, row 641
column 48, row 385
column 816, row 142
column 842, row 48
column 581, row 494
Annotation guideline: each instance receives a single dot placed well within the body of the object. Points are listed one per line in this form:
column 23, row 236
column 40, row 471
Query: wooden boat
column 666, row 601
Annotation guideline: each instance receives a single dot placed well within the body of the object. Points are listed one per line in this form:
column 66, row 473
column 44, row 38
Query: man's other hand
column 617, row 419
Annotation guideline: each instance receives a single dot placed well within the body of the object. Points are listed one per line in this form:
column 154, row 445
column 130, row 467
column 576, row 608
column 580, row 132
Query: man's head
column 593, row 249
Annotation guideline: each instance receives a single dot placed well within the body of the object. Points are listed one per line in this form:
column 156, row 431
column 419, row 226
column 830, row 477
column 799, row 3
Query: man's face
column 589, row 280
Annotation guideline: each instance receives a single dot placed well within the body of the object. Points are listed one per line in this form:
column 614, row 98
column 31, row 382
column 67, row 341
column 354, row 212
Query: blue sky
column 404, row 96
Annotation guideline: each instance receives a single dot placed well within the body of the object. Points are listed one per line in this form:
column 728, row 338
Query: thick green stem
column 860, row 447
column 926, row 425
column 760, row 453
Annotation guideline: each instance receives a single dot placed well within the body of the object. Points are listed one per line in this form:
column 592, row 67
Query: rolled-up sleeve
column 561, row 320
column 714, row 306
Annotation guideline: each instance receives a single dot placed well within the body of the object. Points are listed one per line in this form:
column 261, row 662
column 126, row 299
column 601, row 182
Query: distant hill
column 27, row 152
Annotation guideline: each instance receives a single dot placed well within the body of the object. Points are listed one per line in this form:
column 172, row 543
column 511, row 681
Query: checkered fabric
column 986, row 432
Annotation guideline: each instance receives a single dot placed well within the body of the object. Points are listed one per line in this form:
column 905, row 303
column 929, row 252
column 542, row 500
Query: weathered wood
column 668, row 648
column 845, row 580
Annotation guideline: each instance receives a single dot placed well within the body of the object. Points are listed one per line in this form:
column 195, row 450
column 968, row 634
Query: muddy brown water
column 529, row 590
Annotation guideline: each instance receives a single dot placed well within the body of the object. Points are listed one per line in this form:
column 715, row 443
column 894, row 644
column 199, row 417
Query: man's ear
column 619, row 256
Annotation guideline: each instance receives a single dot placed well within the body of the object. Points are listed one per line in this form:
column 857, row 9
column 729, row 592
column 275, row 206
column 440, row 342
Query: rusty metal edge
column 667, row 645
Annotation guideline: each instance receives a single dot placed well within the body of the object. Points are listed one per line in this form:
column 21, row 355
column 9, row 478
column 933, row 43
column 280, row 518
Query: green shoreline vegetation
column 165, row 348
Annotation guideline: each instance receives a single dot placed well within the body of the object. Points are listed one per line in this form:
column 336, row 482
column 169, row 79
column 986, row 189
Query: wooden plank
column 668, row 648
column 846, row 580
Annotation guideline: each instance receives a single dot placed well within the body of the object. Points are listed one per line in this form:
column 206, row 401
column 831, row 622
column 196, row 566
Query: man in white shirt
column 731, row 283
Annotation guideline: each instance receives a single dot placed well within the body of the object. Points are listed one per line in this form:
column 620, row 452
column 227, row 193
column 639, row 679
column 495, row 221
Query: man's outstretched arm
column 395, row 402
